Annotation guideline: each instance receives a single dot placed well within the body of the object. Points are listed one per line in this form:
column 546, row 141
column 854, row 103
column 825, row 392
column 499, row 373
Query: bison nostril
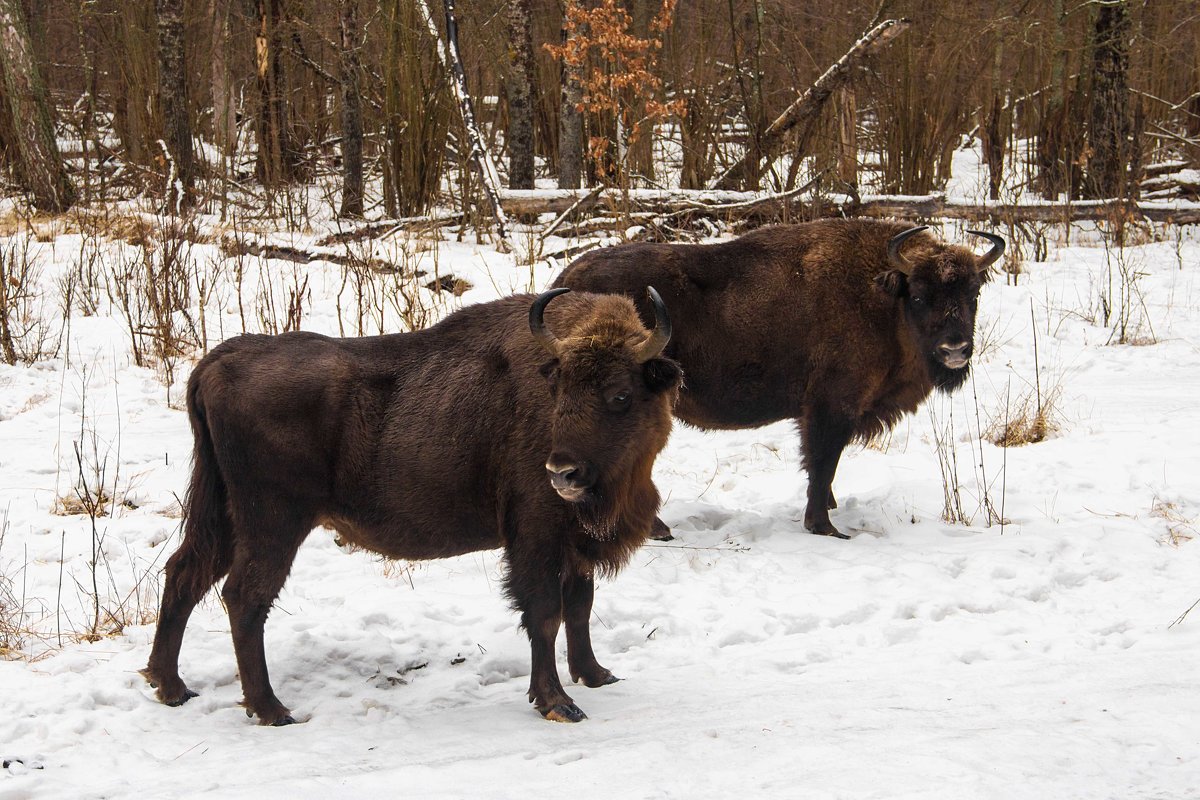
column 952, row 347
column 570, row 476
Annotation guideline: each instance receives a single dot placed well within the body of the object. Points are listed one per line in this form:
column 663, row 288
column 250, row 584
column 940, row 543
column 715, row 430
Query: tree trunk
column 172, row 87
column 520, row 96
column 570, row 128
column 352, row 124
column 224, row 114
column 481, row 159
column 1109, row 122
column 1051, row 140
column 277, row 159
column 996, row 127
column 41, row 163
column 847, row 141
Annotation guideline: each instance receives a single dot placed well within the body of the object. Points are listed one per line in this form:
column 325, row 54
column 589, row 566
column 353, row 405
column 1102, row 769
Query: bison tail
column 207, row 549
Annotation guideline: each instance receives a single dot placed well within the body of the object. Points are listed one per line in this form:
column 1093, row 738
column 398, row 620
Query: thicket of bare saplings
column 233, row 104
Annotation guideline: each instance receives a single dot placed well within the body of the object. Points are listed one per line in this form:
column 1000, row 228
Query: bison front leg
column 578, row 591
column 540, row 600
column 824, row 435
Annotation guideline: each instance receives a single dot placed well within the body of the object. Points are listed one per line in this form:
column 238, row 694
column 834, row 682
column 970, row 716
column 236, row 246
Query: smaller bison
column 494, row 428
column 842, row 325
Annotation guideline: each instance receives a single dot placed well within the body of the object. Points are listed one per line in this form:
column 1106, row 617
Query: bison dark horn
column 896, row 260
column 662, row 329
column 993, row 255
column 537, row 325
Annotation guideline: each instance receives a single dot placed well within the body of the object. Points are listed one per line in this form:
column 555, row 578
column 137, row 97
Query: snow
column 919, row 659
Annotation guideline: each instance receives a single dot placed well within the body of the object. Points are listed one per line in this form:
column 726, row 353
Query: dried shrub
column 616, row 69
column 1032, row 417
column 25, row 334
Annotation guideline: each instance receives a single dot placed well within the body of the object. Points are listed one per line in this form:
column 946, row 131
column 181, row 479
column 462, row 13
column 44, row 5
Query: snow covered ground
column 921, row 658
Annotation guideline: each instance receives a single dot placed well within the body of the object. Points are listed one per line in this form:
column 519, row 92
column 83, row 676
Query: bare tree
column 41, row 166
column 520, row 96
column 277, row 157
column 1109, row 123
column 570, row 128
column 172, row 86
column 745, row 171
column 224, row 120
column 352, row 124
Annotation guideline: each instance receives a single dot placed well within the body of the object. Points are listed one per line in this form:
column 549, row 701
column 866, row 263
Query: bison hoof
column 564, row 712
column 277, row 717
column 597, row 678
column 825, row 528
column 659, row 531
column 170, row 692
column 273, row 720
column 174, row 702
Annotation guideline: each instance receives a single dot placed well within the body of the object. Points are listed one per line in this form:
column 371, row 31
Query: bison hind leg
column 190, row 573
column 260, row 568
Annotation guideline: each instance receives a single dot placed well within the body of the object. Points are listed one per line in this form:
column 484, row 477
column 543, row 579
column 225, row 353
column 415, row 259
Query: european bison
column 486, row 430
column 842, row 325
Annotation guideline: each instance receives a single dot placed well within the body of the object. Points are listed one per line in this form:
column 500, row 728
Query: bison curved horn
column 896, row 260
column 537, row 325
column 662, row 329
column 993, row 255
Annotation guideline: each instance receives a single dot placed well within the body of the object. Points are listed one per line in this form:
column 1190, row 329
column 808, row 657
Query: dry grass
column 77, row 504
column 1031, row 418
column 1180, row 527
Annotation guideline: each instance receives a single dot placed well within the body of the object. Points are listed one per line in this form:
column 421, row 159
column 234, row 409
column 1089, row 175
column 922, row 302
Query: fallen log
column 746, row 170
column 381, row 229
column 245, row 245
column 939, row 207
column 729, row 205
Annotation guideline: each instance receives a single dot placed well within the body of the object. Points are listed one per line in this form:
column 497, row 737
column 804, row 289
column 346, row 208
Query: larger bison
column 842, row 325
column 494, row 428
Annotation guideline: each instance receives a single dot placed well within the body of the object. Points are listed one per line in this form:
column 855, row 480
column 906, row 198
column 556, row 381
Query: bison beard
column 300, row 430
column 841, row 325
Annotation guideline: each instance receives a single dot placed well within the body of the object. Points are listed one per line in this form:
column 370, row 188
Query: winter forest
column 1007, row 475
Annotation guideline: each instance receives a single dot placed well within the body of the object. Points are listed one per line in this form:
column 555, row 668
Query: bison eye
column 619, row 400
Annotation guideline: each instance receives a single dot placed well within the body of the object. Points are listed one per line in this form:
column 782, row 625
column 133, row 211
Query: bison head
column 938, row 287
column 613, row 393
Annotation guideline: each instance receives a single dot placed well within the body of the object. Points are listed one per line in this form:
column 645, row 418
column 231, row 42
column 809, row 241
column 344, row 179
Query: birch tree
column 41, row 163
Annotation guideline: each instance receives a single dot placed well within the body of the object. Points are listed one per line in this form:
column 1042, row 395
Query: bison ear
column 661, row 374
column 893, row 282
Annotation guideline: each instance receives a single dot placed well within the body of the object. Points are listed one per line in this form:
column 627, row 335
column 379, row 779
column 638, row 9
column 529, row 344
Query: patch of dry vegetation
column 1031, row 418
column 1180, row 527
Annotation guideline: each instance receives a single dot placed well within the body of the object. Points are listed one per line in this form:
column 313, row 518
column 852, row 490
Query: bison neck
column 614, row 529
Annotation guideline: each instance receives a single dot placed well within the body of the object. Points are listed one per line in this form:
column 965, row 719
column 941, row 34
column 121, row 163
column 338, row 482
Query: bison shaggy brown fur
column 494, row 428
column 842, row 325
